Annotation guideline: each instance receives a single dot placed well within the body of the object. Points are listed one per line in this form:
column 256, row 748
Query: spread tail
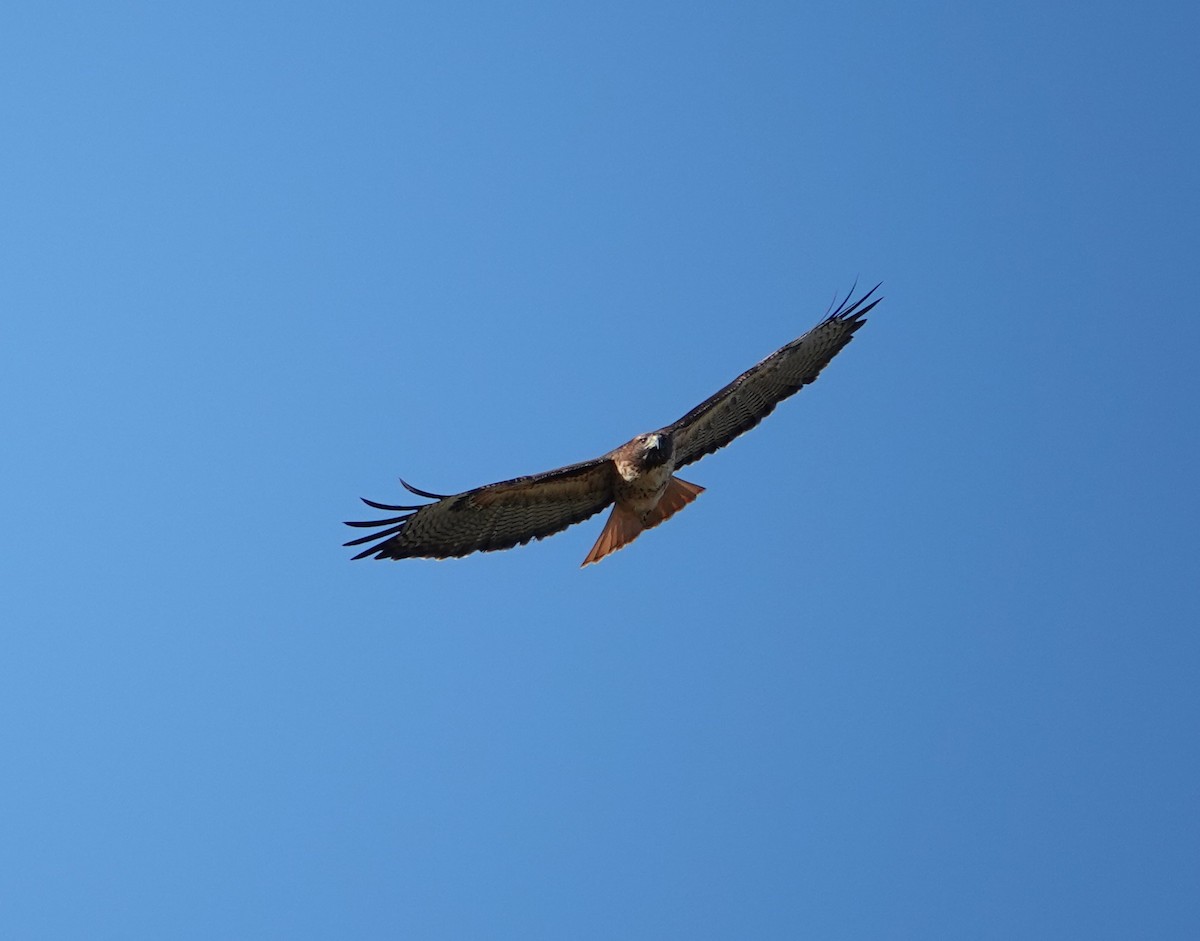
column 679, row 493
column 624, row 526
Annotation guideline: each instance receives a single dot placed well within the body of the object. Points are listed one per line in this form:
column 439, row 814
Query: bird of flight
column 638, row 478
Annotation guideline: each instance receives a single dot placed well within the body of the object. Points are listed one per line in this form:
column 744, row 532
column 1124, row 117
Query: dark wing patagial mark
column 753, row 395
column 498, row 516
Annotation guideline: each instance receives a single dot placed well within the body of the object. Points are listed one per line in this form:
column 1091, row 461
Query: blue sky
column 921, row 663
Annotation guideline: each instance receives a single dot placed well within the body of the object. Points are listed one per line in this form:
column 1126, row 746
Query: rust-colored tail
column 679, row 493
column 624, row 526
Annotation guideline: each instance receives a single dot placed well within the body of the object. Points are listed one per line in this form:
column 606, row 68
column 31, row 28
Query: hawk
column 637, row 479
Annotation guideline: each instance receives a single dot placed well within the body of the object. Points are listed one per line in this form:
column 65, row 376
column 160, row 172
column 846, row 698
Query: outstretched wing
column 753, row 395
column 498, row 516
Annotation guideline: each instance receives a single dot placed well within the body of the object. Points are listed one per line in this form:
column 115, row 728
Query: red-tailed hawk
column 638, row 477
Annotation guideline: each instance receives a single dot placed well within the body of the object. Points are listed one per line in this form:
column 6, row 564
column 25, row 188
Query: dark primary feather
column 498, row 516
column 753, row 395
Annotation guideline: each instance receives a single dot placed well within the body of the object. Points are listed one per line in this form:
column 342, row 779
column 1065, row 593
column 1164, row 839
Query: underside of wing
column 498, row 516
column 753, row 395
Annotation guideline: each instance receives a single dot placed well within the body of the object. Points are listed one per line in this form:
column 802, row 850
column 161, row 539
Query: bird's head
column 656, row 448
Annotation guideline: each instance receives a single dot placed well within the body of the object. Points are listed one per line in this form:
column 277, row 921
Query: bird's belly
column 642, row 493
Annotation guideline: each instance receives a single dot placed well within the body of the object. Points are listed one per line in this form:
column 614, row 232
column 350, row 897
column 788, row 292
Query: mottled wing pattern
column 753, row 395
column 498, row 516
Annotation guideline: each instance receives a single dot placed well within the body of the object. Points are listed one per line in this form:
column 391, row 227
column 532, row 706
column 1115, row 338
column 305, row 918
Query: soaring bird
column 637, row 479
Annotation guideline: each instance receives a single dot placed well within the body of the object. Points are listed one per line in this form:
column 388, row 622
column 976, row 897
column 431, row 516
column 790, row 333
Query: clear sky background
column 923, row 660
